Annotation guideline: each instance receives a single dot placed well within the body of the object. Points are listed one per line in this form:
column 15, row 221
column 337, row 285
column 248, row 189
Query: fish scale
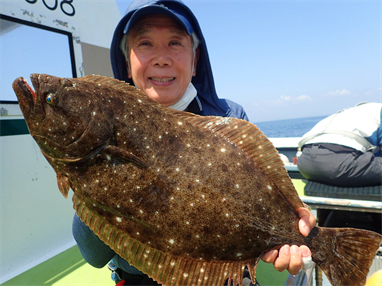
column 188, row 200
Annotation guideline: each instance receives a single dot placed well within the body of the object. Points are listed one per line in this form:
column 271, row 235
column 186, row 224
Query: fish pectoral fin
column 63, row 184
column 115, row 152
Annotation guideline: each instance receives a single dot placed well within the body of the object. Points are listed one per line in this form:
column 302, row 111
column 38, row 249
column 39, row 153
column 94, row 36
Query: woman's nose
column 162, row 57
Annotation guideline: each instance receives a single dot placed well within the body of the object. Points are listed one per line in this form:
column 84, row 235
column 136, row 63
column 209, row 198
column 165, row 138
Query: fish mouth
column 25, row 95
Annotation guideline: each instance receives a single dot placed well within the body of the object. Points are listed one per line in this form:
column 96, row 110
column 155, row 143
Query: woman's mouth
column 166, row 79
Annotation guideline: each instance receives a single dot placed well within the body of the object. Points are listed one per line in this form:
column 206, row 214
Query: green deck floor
column 67, row 268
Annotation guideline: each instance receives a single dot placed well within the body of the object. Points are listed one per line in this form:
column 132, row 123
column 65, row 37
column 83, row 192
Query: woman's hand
column 290, row 257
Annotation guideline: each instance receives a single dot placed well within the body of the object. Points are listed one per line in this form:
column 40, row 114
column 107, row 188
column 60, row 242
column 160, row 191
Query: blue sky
column 292, row 59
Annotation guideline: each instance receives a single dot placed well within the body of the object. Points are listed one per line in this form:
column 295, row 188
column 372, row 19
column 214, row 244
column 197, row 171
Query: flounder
column 187, row 199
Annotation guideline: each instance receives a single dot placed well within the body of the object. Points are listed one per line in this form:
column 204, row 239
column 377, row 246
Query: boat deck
column 67, row 268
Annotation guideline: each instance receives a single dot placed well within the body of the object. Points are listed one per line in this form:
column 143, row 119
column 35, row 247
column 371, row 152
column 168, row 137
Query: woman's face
column 161, row 58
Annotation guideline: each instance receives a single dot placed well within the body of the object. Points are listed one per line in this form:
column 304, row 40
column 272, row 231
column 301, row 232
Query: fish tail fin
column 345, row 254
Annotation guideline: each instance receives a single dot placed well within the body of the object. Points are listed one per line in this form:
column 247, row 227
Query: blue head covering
column 203, row 80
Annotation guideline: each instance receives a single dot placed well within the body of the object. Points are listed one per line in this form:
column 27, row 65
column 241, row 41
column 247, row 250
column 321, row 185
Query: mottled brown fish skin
column 189, row 200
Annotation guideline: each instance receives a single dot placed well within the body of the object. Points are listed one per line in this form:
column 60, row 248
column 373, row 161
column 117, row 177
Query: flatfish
column 187, row 199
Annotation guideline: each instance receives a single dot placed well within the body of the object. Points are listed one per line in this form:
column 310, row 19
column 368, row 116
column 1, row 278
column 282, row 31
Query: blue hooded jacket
column 95, row 251
column 203, row 81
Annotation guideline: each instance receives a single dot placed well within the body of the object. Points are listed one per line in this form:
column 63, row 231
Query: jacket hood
column 203, row 80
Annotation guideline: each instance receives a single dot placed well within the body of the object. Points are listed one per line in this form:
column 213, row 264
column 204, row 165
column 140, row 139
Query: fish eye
column 50, row 99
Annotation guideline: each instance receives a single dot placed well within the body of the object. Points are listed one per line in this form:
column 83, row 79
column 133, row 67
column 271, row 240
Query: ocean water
column 288, row 127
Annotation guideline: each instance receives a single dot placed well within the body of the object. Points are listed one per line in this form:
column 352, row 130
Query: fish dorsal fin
column 118, row 85
column 109, row 82
column 163, row 267
column 256, row 145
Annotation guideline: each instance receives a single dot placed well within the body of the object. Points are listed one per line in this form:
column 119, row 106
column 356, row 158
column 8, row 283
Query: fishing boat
column 37, row 246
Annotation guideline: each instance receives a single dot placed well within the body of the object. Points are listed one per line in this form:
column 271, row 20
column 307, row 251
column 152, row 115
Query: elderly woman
column 158, row 47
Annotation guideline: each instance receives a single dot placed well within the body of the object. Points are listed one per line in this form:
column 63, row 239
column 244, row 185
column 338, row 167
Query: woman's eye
column 175, row 43
column 144, row 44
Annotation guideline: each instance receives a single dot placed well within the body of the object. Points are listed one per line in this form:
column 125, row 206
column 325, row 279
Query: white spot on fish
column 172, row 241
column 269, row 187
column 94, row 113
